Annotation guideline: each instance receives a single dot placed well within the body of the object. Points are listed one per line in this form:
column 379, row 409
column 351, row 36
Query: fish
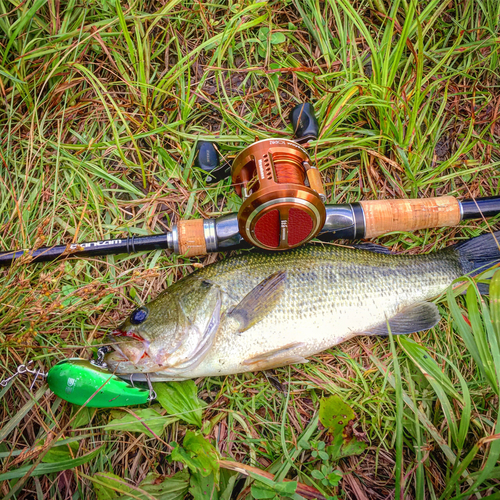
column 258, row 311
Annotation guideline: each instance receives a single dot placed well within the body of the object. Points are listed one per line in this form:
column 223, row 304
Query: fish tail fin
column 478, row 254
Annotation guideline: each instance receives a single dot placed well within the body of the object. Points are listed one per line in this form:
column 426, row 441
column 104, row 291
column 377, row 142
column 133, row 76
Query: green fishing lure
column 81, row 382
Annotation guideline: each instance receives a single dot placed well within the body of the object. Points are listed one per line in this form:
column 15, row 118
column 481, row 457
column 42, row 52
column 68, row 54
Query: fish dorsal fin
column 260, row 301
column 373, row 247
column 415, row 318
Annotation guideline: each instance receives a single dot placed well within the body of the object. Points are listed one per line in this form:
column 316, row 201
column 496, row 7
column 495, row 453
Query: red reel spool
column 279, row 209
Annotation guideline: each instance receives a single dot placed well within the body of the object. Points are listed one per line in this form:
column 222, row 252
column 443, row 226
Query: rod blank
column 89, row 249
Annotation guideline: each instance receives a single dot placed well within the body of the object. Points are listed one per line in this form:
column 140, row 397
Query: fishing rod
column 366, row 219
column 283, row 207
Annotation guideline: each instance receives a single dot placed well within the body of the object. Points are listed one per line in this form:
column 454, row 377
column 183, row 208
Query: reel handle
column 304, row 122
column 207, row 158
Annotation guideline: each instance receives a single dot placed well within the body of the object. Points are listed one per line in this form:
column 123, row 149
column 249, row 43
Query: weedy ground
column 102, row 103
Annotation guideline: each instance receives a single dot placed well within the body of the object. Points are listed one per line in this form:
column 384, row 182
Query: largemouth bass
column 259, row 311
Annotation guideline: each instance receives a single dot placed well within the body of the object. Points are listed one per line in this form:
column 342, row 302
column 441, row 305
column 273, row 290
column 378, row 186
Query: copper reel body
column 283, row 197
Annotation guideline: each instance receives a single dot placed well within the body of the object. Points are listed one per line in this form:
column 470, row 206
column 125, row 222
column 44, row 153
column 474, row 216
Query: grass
column 102, row 105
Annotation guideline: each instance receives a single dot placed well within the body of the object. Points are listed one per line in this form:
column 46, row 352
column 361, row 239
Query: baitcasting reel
column 283, row 196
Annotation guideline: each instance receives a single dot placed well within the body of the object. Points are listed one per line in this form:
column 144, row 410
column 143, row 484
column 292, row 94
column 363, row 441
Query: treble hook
column 22, row 369
column 152, row 392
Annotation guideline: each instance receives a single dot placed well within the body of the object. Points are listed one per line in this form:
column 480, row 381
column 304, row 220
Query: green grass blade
column 43, row 469
column 399, row 471
column 464, row 329
column 439, row 382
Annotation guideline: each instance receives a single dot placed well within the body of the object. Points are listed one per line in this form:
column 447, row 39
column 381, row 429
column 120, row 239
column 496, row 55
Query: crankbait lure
column 90, row 383
column 83, row 383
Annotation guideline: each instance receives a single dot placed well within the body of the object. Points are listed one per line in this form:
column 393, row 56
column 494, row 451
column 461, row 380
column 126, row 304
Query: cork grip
column 385, row 216
column 191, row 238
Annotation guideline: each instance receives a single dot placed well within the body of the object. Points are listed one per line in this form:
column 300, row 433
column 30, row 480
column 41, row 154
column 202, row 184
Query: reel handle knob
column 305, row 124
column 207, row 158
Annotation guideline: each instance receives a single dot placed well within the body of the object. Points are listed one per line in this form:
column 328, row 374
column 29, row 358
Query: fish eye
column 139, row 315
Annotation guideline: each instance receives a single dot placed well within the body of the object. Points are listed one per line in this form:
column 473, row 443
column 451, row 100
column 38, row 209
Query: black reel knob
column 207, row 158
column 305, row 124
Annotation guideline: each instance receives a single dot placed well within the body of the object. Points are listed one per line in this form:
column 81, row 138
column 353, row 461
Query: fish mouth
column 122, row 333
column 129, row 345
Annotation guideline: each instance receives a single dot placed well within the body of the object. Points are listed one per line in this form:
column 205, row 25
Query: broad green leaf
column 83, row 417
column 286, row 488
column 274, row 78
column 107, row 484
column 267, row 488
column 260, row 491
column 338, row 417
column 334, row 477
column 335, row 414
column 263, row 32
column 304, row 444
column 43, row 469
column 277, row 37
column 170, row 488
column 68, row 291
column 149, row 421
column 342, row 448
column 203, row 487
column 227, row 483
column 180, row 399
column 198, row 454
column 61, row 452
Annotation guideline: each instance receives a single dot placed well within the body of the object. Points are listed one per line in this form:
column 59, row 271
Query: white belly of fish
column 272, row 343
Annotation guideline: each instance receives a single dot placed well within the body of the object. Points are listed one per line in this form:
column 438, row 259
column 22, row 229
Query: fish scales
column 258, row 311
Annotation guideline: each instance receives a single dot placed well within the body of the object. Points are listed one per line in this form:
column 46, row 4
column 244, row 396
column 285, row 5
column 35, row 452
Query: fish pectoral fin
column 415, row 318
column 275, row 358
column 259, row 302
